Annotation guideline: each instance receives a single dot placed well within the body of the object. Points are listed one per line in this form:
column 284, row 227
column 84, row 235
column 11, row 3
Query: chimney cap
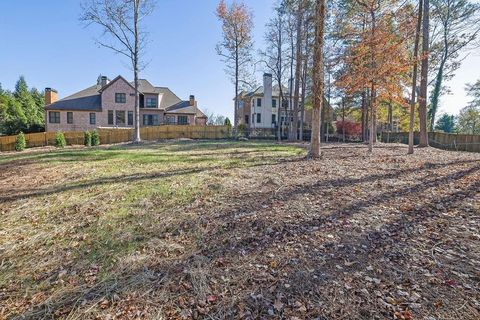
column 48, row 89
column 267, row 75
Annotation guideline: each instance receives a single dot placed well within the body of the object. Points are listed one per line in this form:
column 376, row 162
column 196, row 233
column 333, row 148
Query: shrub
column 351, row 128
column 241, row 130
column 95, row 138
column 87, row 138
column 20, row 143
column 60, row 141
column 228, row 123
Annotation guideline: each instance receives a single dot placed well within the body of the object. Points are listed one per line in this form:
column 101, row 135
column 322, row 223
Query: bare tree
column 456, row 24
column 272, row 57
column 422, row 110
column 318, row 81
column 122, row 33
column 298, row 65
column 236, row 45
column 414, row 78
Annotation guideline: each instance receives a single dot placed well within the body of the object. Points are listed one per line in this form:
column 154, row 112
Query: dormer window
column 151, row 103
column 120, row 98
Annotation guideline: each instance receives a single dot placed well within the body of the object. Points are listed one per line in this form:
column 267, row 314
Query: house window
column 259, row 102
column 151, row 102
column 93, row 118
column 120, row 97
column 274, row 118
column 69, row 117
column 274, row 103
column 110, row 117
column 259, row 117
column 170, row 119
column 120, row 118
column 246, row 119
column 182, row 120
column 150, row 120
column 54, row 117
column 130, row 118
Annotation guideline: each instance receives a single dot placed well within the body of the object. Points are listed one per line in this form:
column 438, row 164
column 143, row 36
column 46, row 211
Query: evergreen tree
column 21, row 110
column 446, row 123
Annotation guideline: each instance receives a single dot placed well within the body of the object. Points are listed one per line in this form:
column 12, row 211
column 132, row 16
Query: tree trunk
column 318, row 80
column 298, row 69
column 236, row 117
column 136, row 137
column 364, row 117
column 373, row 93
column 372, row 119
column 343, row 120
column 424, row 76
column 411, row 136
column 304, row 78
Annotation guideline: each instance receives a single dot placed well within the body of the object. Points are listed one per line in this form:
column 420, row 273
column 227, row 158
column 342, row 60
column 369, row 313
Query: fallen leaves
column 348, row 236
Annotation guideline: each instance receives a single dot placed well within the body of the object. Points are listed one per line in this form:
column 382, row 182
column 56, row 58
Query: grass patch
column 80, row 215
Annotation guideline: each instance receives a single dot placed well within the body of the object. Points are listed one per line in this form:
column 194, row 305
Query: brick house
column 111, row 104
column 260, row 108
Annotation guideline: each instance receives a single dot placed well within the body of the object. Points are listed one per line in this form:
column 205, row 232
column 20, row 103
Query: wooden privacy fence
column 440, row 140
column 109, row 136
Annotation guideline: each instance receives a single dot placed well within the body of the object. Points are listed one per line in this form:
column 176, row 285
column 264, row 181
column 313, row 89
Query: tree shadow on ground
column 252, row 238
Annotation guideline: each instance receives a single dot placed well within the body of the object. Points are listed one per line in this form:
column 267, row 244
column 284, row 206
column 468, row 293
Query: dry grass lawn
column 215, row 230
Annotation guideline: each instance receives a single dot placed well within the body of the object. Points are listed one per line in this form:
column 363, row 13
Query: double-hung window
column 110, row 117
column 259, row 102
column 54, row 117
column 93, row 118
column 69, row 117
column 130, row 118
column 151, row 103
column 120, row 98
column 120, row 117
column 182, row 119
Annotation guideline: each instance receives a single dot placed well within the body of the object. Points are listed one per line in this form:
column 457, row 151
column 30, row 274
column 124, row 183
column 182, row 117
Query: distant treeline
column 21, row 110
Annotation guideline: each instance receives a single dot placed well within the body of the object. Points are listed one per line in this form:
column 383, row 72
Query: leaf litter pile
column 240, row 231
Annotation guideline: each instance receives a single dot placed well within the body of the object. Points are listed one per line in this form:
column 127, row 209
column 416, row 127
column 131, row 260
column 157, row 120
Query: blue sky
column 45, row 42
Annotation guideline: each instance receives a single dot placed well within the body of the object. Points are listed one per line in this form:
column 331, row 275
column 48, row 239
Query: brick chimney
column 103, row 81
column 50, row 96
column 192, row 101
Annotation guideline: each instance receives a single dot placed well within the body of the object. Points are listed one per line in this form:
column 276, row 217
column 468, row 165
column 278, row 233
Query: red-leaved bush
column 351, row 128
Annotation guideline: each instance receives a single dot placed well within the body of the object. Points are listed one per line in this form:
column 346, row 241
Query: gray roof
column 186, row 108
column 144, row 86
column 259, row 92
column 86, row 100
column 168, row 97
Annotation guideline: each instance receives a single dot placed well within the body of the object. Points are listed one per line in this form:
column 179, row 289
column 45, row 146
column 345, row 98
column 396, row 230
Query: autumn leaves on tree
column 382, row 55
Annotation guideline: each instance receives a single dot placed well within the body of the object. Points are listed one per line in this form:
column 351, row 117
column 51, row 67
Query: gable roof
column 185, row 108
column 168, row 98
column 115, row 80
column 259, row 92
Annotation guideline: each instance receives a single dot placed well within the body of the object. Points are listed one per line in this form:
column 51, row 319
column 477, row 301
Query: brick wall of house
column 108, row 102
column 81, row 121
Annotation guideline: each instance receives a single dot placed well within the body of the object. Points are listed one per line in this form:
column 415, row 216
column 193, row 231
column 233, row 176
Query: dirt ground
column 240, row 231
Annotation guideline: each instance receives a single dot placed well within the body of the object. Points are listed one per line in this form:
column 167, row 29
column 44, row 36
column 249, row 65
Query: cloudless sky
column 45, row 42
